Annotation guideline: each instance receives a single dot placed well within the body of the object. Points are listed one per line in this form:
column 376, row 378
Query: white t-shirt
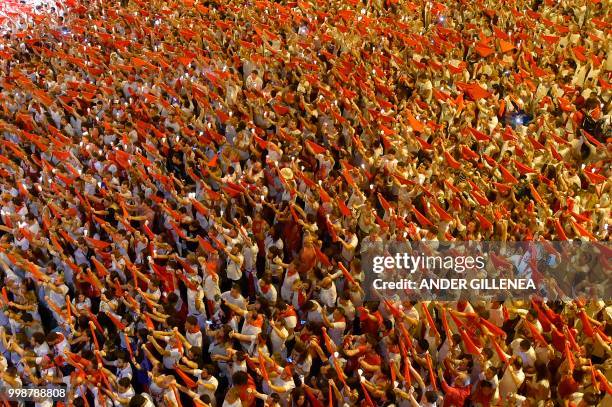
column 528, row 357
column 336, row 332
column 252, row 331
column 278, row 344
column 507, row 385
column 128, row 394
column 239, row 301
column 173, row 358
column 328, row 296
column 237, row 403
column 348, row 253
column 211, row 287
column 234, row 269
column 250, row 256
column 192, row 296
column 203, row 390
column 194, row 339
column 288, row 385
column 496, row 316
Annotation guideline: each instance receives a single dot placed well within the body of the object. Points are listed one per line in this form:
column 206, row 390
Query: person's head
column 38, row 338
column 310, row 306
column 207, row 371
column 578, row 376
column 486, row 387
column 490, row 373
column 124, row 384
column 172, row 298
column 195, row 353
column 235, row 290
column 122, row 359
column 174, row 342
column 462, row 380
column 422, row 345
column 191, row 322
column 532, row 315
column 487, row 353
column 299, row 397
column 240, row 379
column 53, row 338
column 431, row 396
column 525, row 345
column 287, row 373
column 517, row 363
column 137, row 400
column 253, row 316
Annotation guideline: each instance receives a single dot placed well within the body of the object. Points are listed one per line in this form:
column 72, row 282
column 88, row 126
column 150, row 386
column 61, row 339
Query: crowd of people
column 188, row 186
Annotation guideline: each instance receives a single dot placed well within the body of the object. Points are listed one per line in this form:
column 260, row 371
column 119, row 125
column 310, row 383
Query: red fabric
column 369, row 326
column 455, row 396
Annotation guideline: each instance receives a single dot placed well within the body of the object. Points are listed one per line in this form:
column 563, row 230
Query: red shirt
column 368, row 325
column 455, row 396
column 567, row 386
column 480, row 398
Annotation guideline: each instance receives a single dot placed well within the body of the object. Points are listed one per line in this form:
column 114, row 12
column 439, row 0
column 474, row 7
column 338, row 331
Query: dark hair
column 122, row 355
column 423, row 344
column 431, row 396
column 137, row 401
column 39, row 337
column 124, row 382
column 240, row 378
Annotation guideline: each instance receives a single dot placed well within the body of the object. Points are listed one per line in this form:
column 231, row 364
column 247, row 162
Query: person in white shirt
column 249, row 252
column 267, row 290
column 207, row 383
column 278, row 336
column 349, row 245
column 212, row 291
column 250, row 330
column 336, row 323
column 253, row 81
column 193, row 333
column 124, row 394
column 39, row 345
column 512, row 379
column 171, row 353
column 234, row 297
column 522, row 348
column 496, row 313
column 232, row 399
column 142, row 400
column 124, row 368
column 235, row 260
column 327, row 293
column 282, row 384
